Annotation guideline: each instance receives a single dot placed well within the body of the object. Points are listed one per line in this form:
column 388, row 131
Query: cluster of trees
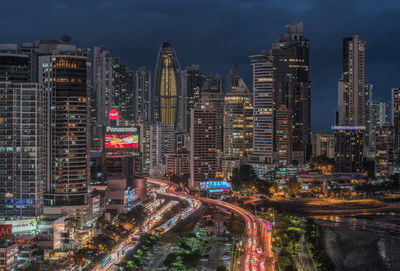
column 245, row 178
column 287, row 236
column 110, row 235
column 313, row 238
column 236, row 226
column 322, row 164
column 188, row 255
column 142, row 249
column 372, row 188
column 181, row 180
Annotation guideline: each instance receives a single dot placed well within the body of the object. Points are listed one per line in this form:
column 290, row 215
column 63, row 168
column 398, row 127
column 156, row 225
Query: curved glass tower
column 167, row 88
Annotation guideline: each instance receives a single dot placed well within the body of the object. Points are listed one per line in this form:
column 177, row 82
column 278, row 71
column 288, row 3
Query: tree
column 243, row 175
column 293, row 187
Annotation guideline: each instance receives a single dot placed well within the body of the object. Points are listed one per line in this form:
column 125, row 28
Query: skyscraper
column 143, row 98
column 396, row 116
column 349, row 148
column 292, row 88
column 203, row 144
column 238, row 122
column 263, row 108
column 323, row 144
column 22, row 149
column 283, row 136
column 65, row 76
column 384, row 149
column 214, row 99
column 102, row 95
column 352, row 100
column 380, row 113
column 192, row 82
column 167, row 88
column 238, row 126
column 15, row 66
column 232, row 79
column 122, row 89
column 213, row 81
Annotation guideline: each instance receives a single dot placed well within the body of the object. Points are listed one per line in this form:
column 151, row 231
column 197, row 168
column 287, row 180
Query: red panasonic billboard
column 6, row 231
column 122, row 138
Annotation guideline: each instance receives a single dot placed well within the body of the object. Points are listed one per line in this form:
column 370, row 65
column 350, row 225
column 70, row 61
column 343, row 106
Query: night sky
column 218, row 34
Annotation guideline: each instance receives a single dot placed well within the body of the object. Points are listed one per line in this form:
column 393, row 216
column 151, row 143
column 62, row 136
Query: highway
column 110, row 261
column 254, row 258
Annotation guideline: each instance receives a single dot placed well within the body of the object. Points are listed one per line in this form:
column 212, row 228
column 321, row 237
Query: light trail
column 253, row 259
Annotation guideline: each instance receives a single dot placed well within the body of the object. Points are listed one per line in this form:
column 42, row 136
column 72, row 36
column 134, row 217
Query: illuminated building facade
column 292, row 88
column 212, row 98
column 323, row 144
column 167, row 88
column 203, row 144
column 263, row 108
column 15, row 66
column 396, row 116
column 178, row 163
column 384, row 149
column 65, row 79
column 283, row 131
column 352, row 103
column 143, row 98
column 238, row 125
column 122, row 89
column 22, row 149
column 348, row 148
column 192, row 81
column 232, row 79
column 102, row 95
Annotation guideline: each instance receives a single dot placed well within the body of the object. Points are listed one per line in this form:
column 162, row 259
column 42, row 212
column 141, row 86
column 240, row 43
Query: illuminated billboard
column 122, row 138
column 215, row 185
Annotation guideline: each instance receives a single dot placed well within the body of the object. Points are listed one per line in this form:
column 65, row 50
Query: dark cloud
column 219, row 33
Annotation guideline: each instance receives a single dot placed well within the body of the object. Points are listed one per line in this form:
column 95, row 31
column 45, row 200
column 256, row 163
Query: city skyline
column 219, row 44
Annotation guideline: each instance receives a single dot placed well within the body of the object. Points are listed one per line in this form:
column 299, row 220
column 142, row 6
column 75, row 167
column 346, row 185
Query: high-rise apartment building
column 292, row 88
column 238, row 127
column 263, row 108
column 283, row 136
column 396, row 116
column 203, row 144
column 384, row 149
column 214, row 81
column 238, row 122
column 15, row 66
column 380, row 113
column 167, row 88
column 192, row 82
column 64, row 75
column 143, row 98
column 122, row 89
column 102, row 95
column 349, row 148
column 352, row 102
column 323, row 144
column 232, row 79
column 212, row 98
column 22, row 150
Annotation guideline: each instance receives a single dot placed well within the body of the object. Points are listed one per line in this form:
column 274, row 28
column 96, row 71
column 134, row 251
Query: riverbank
column 312, row 207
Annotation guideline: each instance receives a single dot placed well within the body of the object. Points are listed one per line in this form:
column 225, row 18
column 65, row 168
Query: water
column 366, row 241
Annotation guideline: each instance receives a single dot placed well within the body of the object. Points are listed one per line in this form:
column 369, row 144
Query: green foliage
column 245, row 178
column 321, row 160
column 188, row 255
column 293, row 187
column 236, row 226
column 314, row 244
